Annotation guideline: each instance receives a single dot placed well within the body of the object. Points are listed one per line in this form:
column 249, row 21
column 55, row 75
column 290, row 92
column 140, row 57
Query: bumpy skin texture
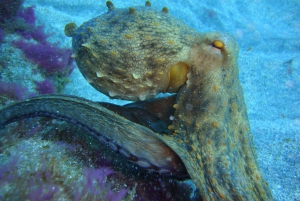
column 210, row 132
column 128, row 55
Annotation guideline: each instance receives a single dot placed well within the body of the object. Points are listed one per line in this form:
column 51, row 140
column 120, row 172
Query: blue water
column 268, row 33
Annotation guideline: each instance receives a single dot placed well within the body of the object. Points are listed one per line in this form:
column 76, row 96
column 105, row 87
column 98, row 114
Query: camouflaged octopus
column 138, row 52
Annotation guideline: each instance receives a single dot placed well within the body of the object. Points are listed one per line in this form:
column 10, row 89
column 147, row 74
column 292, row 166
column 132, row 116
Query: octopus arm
column 135, row 142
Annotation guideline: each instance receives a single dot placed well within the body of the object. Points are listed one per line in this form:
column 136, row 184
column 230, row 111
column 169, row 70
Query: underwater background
column 268, row 33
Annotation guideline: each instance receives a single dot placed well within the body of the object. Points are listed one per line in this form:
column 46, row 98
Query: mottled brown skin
column 140, row 143
column 129, row 55
column 210, row 132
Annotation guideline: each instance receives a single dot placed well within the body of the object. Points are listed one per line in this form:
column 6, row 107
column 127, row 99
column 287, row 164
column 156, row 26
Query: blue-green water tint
column 268, row 33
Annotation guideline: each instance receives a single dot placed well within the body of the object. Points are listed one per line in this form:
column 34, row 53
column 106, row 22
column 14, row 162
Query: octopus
column 201, row 131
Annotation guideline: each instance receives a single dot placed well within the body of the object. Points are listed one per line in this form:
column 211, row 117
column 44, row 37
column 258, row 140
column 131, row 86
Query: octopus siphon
column 202, row 130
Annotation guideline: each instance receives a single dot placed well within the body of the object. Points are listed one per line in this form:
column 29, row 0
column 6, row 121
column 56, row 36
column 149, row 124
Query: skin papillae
column 210, row 133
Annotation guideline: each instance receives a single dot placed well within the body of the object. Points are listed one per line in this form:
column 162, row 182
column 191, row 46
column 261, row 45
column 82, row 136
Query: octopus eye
column 218, row 44
column 177, row 76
